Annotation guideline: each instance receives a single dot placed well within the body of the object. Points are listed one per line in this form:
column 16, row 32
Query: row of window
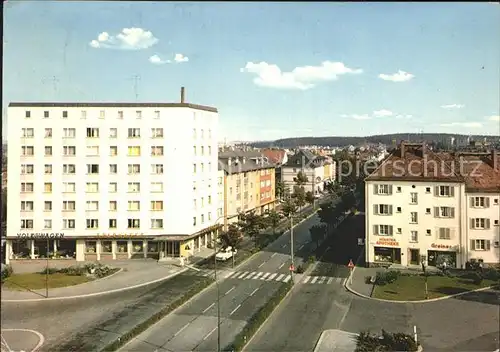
column 439, row 191
column 70, row 205
column 439, row 212
column 69, row 224
column 265, row 183
column 91, row 187
column 443, row 233
column 83, row 114
column 93, row 132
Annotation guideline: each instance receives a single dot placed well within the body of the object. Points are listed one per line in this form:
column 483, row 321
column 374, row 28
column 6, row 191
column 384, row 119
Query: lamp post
column 291, row 246
column 422, row 260
column 217, row 284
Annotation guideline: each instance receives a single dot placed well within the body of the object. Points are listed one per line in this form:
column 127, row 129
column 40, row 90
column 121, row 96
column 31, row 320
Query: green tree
column 301, row 179
column 334, row 189
column 251, row 224
column 273, row 220
column 348, row 201
column 318, row 233
column 299, row 195
column 280, row 190
column 309, row 198
column 231, row 238
column 289, row 207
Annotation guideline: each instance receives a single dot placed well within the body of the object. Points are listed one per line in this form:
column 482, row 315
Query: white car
column 226, row 254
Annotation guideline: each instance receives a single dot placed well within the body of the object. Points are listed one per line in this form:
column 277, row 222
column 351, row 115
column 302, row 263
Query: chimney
column 402, row 148
column 229, row 161
column 182, row 95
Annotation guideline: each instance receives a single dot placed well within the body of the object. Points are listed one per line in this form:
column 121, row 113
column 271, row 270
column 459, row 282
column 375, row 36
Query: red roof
column 274, row 155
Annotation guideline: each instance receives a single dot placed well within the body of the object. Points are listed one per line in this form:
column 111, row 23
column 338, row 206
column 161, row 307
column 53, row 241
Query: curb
column 95, row 293
column 348, row 288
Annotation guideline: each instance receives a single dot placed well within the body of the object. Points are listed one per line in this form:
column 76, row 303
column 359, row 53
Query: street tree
column 329, row 214
column 318, row 233
column 348, row 200
column 333, row 188
column 301, row 179
column 231, row 238
column 289, row 207
column 280, row 190
column 273, row 219
column 251, row 224
column 299, row 196
column 309, row 197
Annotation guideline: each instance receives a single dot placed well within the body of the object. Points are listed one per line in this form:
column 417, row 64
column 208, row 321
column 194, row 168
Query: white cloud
column 400, row 76
column 400, row 117
column 360, row 117
column 180, row 58
column 494, row 118
column 127, row 39
column 462, row 124
column 156, row 60
column 453, row 106
column 382, row 113
column 303, row 77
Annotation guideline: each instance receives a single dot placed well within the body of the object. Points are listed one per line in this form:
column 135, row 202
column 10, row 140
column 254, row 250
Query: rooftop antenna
column 136, row 79
column 54, row 81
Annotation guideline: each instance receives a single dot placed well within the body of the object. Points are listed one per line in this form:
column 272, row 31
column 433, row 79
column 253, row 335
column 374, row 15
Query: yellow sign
column 387, row 242
column 120, row 234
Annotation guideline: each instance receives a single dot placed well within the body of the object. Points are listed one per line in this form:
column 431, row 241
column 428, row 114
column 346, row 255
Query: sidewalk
column 134, row 273
column 357, row 283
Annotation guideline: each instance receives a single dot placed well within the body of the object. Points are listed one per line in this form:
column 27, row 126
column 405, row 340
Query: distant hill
column 339, row 141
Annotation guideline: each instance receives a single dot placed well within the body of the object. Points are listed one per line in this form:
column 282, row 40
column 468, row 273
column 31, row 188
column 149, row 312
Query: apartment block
column 249, row 183
column 433, row 207
column 118, row 180
column 319, row 170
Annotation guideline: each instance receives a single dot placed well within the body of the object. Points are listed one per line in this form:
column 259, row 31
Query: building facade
column 249, row 183
column 432, row 207
column 111, row 180
column 319, row 170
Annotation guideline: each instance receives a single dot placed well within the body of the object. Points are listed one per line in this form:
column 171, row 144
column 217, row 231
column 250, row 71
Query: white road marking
column 339, row 279
column 301, row 247
column 257, row 276
column 185, row 326
column 210, row 306
column 232, row 288
column 261, row 264
column 280, row 277
column 283, row 246
column 210, row 333
column 314, row 280
column 235, row 309
column 243, row 275
column 287, row 278
column 250, row 276
column 327, row 249
column 282, row 264
column 229, row 274
column 330, row 280
column 265, row 275
column 41, row 338
column 306, row 279
column 271, row 276
column 273, row 255
column 323, row 279
column 253, row 292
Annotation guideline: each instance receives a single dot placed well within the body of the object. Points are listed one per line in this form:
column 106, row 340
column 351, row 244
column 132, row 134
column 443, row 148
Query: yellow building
column 249, row 183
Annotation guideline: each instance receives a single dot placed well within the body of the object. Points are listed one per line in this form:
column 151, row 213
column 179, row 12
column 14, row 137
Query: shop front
column 440, row 253
column 387, row 251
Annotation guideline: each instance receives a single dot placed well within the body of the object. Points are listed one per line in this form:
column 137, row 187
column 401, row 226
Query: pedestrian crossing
column 277, row 277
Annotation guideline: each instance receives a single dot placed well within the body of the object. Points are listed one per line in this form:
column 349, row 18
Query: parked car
column 226, row 254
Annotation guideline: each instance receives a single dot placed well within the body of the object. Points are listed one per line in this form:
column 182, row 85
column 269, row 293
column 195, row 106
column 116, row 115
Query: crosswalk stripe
column 243, row 275
column 306, row 279
column 330, row 280
column 339, row 279
column 287, row 278
column 280, row 277
column 321, row 279
column 231, row 273
column 265, row 275
column 271, row 276
column 314, row 280
column 257, row 276
column 251, row 275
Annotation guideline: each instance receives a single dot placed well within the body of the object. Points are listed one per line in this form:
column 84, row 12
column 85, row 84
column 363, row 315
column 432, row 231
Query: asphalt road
column 311, row 308
column 467, row 323
column 193, row 326
column 88, row 322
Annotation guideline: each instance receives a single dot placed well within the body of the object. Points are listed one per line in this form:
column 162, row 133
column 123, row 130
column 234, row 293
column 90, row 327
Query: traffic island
column 258, row 319
column 397, row 286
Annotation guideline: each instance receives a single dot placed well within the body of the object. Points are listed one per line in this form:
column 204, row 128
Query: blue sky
column 272, row 69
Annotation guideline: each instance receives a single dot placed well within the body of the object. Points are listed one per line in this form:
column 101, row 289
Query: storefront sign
column 441, row 246
column 120, row 234
column 387, row 242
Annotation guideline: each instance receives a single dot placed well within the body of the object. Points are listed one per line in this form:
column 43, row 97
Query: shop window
column 90, row 246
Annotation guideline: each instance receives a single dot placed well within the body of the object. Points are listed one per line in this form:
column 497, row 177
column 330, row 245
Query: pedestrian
column 480, row 266
column 444, row 267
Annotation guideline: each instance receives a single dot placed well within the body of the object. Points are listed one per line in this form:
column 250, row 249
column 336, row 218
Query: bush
column 49, row 271
column 476, row 278
column 491, row 274
column 299, row 269
column 73, row 271
column 386, row 277
column 258, row 319
column 312, row 259
column 387, row 341
column 7, row 271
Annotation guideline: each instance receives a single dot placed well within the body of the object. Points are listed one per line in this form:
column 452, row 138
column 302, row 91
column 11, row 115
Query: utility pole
column 291, row 246
column 218, row 296
column 136, row 79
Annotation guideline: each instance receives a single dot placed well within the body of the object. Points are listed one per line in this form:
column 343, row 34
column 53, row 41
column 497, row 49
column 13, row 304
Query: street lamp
column 217, row 283
column 422, row 260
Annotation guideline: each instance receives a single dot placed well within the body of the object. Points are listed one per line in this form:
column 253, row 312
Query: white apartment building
column 430, row 206
column 118, row 180
column 318, row 170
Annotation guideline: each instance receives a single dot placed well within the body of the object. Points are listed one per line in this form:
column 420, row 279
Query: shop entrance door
column 414, row 256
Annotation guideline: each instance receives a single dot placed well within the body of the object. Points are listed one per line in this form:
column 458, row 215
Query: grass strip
column 143, row 326
column 256, row 321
